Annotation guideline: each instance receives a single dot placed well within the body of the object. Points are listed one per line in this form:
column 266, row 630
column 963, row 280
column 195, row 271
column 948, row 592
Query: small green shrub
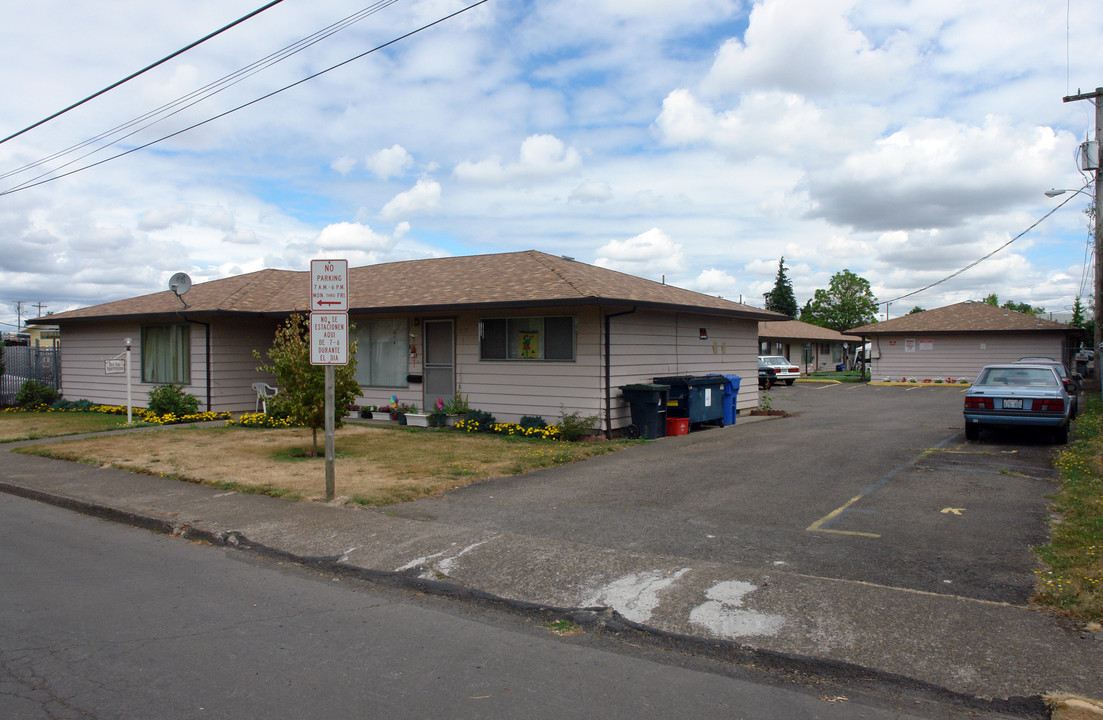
column 32, row 394
column 171, row 399
column 532, row 422
column 575, row 426
column 480, row 420
column 458, row 405
column 73, row 405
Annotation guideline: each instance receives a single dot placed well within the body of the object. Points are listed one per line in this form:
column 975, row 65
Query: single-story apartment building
column 810, row 346
column 523, row 333
column 956, row 341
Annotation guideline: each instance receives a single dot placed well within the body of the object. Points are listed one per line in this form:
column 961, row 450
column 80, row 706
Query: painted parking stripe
column 821, row 524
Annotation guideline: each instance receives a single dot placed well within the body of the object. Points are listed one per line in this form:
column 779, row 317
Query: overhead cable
column 147, row 68
column 982, row 259
column 191, row 99
column 312, row 76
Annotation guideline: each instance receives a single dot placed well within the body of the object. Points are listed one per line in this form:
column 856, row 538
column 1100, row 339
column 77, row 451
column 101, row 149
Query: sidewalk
column 966, row 650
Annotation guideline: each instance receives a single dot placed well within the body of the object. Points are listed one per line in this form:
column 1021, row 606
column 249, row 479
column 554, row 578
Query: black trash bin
column 698, row 398
column 648, row 404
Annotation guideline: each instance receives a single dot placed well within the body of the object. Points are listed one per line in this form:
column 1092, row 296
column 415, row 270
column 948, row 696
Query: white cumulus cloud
column 390, row 162
column 421, row 198
column 647, row 254
column 541, row 156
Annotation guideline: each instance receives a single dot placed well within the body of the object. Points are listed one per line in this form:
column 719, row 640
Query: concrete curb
column 1071, row 707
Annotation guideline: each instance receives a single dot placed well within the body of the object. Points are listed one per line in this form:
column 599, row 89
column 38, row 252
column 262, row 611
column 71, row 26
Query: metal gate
column 28, row 362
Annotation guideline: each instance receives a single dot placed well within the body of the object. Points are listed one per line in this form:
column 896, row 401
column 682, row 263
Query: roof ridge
column 243, row 291
column 545, row 260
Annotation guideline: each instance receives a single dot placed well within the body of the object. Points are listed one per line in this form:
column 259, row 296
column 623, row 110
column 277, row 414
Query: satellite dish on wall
column 180, row 283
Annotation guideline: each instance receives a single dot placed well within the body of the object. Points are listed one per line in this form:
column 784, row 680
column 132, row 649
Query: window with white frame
column 166, row 354
column 527, row 338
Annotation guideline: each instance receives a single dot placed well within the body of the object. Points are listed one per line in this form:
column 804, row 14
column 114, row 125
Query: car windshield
column 1021, row 376
column 776, row 361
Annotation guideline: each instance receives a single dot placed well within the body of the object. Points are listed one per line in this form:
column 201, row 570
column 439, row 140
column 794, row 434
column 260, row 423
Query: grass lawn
column 1072, row 582
column 36, row 425
column 374, row 466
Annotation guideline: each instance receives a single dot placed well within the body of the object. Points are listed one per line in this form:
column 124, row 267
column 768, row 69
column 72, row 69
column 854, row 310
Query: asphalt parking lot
column 864, row 483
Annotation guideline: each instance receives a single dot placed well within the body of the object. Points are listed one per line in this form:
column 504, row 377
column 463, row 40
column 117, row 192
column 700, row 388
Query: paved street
column 104, row 621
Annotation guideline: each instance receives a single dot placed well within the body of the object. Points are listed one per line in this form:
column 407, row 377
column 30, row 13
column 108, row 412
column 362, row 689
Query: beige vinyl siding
column 957, row 356
column 233, row 367
column 646, row 345
column 511, row 389
column 85, row 348
column 643, row 345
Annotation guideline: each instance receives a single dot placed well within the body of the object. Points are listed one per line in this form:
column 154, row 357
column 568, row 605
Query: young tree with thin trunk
column 302, row 395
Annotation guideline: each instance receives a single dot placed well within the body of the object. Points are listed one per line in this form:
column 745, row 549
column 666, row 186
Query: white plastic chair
column 264, row 391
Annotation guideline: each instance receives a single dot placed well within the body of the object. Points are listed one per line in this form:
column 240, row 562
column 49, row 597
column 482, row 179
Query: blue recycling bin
column 731, row 394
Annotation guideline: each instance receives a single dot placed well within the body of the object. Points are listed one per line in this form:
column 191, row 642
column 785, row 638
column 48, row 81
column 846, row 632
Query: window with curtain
column 527, row 338
column 166, row 354
column 382, row 352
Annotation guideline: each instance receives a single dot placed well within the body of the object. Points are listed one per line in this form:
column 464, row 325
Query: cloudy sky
column 696, row 140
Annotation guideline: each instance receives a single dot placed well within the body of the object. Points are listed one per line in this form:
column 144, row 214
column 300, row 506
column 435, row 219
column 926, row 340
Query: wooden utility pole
column 1093, row 163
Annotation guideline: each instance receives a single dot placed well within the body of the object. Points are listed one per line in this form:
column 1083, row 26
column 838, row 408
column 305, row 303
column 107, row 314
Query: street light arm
column 1054, row 192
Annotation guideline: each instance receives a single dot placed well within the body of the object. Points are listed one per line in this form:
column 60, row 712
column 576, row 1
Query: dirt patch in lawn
column 374, row 466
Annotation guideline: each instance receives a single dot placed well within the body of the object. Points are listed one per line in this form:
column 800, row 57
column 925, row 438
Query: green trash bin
column 648, row 404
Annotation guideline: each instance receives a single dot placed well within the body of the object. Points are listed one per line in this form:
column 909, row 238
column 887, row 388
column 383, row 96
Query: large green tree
column 994, row 300
column 781, row 299
column 302, row 395
column 1077, row 314
column 848, row 302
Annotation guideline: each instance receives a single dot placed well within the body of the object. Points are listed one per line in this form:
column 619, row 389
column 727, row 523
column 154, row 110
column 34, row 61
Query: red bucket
column 677, row 426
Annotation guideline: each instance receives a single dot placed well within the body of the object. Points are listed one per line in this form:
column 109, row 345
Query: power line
column 245, row 105
column 191, row 99
column 147, row 68
column 40, row 181
column 982, row 259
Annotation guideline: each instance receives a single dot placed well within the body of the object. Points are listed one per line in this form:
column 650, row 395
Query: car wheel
column 1061, row 435
column 972, row 432
column 788, row 382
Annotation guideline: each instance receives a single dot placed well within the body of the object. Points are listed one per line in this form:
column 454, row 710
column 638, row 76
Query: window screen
column 527, row 338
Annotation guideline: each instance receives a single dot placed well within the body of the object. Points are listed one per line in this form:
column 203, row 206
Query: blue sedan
column 1018, row 395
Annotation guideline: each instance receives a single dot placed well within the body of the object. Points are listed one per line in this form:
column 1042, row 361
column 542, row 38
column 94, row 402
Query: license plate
column 1016, row 404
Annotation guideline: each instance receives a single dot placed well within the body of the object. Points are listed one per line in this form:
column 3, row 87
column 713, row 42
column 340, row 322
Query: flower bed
column 138, row 414
column 259, row 420
column 549, row 432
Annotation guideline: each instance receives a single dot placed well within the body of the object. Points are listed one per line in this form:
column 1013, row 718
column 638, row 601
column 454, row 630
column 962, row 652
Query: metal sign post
column 329, row 340
column 129, row 402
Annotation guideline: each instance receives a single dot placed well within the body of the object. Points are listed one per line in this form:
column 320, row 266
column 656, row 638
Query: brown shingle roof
column 966, row 317
column 519, row 279
column 797, row 330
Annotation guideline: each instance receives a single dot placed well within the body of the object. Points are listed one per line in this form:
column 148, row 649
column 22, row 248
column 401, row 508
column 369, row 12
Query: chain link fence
column 28, row 362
